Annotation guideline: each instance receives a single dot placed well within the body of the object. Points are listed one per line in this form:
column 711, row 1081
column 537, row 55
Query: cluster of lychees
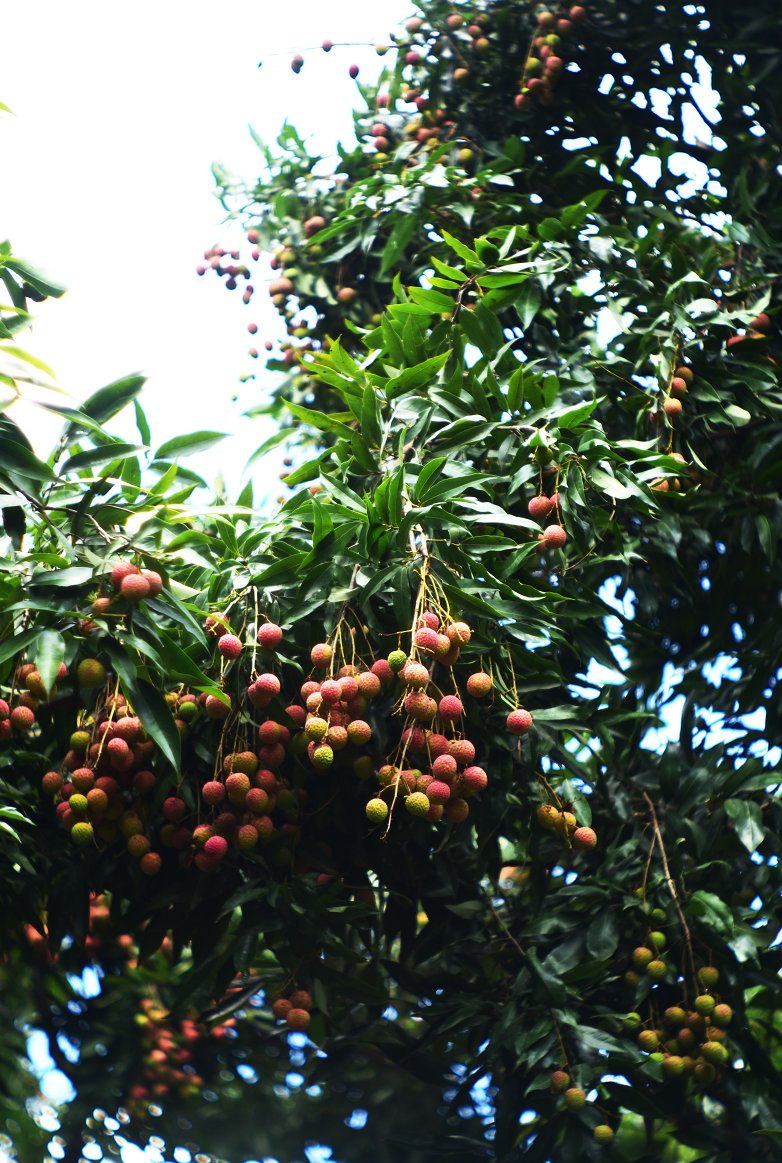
column 295, row 1010
column 687, row 1040
column 27, row 694
column 167, row 1058
column 544, row 62
column 111, row 789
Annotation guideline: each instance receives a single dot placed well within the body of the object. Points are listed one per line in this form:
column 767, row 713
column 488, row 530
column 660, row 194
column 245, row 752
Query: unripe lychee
column 82, row 833
column 457, row 810
column 459, row 633
column 574, row 1098
column 397, row 660
column 138, row 845
column 321, row 655
column 546, row 816
column 708, row 976
column 376, row 811
column 713, row 1052
column 519, row 721
column 721, row 1015
column 237, row 787
column 91, row 673
column 229, row 646
column 559, row 1081
column 554, row 537
column 648, row 1040
column 417, row 804
column 247, row 837
column 641, row 957
column 704, row 1004
column 602, row 1133
column 359, row 732
column 269, row 636
column 656, row 969
column 322, row 757
column 479, row 685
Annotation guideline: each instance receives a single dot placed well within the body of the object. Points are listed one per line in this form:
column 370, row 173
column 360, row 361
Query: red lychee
column 229, row 646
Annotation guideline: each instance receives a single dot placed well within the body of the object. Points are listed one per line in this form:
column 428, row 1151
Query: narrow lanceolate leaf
column 186, row 445
column 108, row 401
column 49, row 653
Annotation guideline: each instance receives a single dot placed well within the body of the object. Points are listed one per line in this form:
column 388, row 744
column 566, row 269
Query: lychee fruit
column 376, row 811
column 417, row 804
column 585, row 839
column 554, row 537
column 479, row 685
column 269, row 636
column 519, row 721
column 91, row 673
column 321, row 655
column 229, row 646
column 135, row 587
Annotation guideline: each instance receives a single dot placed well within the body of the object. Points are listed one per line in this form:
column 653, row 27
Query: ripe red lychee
column 369, row 684
column 474, row 779
column 215, row 708
column 438, row 792
column 155, row 581
column 450, row 708
column 120, row 571
column 313, row 225
column 426, row 639
column 135, row 587
column 519, row 721
column 298, row 1019
column 269, row 636
column 585, row 839
column 216, row 847
column 229, row 646
column 672, row 408
column 539, row 507
column 353, row 72
column 430, row 620
column 216, row 625
column 213, row 792
column 297, row 61
column 554, row 537
column 151, row 863
column 22, row 718
column 444, row 766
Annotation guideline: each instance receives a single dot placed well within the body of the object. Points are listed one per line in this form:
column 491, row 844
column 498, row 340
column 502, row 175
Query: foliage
column 547, row 317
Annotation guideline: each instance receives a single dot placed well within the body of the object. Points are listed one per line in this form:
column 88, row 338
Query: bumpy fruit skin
column 672, row 407
column 585, row 839
column 215, row 708
column 229, row 646
column 438, row 792
column 479, row 685
column 396, row 660
column 656, row 969
column 321, row 655
column 135, row 587
column 91, row 673
column 155, row 581
column 269, row 636
column 575, row 1098
column 713, row 1052
column 554, row 537
column 518, row 722
column 559, row 1082
column 120, row 571
column 151, row 863
column 82, row 834
column 539, row 507
column 376, row 811
column 216, row 847
column 450, row 708
column 298, row 1019
column 704, row 1004
column 322, row 757
column 426, row 639
column 417, row 804
column 22, row 718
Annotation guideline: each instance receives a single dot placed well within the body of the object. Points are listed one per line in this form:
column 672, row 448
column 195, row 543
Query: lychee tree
column 452, row 779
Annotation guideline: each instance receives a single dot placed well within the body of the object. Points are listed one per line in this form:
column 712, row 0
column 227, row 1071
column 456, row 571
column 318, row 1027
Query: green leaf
column 416, row 377
column 186, row 445
column 747, row 823
column 108, row 401
column 40, row 282
column 603, row 935
column 49, row 653
column 155, row 714
column 102, row 455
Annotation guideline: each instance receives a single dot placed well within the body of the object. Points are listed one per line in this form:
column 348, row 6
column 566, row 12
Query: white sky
column 105, row 183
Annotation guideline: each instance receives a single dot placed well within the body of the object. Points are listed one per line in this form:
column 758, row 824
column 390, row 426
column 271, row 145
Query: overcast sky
column 105, row 182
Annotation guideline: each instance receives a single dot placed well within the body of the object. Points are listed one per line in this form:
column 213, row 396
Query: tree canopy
column 435, row 806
